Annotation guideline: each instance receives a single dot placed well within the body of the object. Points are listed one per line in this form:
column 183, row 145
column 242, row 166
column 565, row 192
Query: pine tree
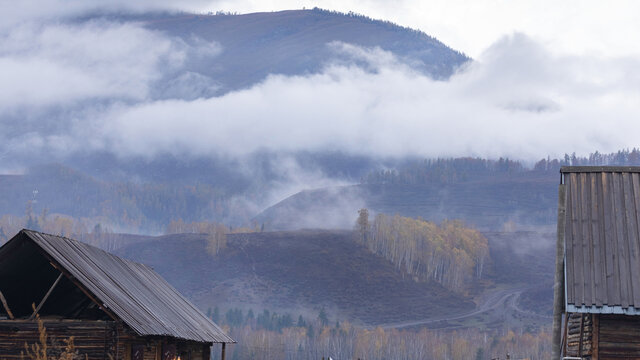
column 322, row 316
column 362, row 225
column 216, row 315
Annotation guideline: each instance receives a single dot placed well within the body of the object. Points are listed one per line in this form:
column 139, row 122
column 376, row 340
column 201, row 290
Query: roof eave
column 592, row 169
column 604, row 309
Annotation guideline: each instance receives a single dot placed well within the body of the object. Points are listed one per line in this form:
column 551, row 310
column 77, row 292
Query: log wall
column 160, row 348
column 96, row 340
column 93, row 339
column 619, row 337
column 579, row 341
column 604, row 337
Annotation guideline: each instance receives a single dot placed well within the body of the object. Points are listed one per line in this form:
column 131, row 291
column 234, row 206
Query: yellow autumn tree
column 450, row 253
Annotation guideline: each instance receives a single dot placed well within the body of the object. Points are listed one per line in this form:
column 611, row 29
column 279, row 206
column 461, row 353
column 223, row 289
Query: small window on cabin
column 168, row 351
column 137, row 352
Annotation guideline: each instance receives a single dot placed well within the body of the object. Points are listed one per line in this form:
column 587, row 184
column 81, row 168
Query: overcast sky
column 549, row 78
column 568, row 26
column 578, row 27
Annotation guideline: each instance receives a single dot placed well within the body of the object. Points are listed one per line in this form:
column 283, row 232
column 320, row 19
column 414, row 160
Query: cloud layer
column 114, row 86
column 517, row 100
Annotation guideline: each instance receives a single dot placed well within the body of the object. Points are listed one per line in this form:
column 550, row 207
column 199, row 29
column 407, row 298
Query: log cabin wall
column 143, row 349
column 619, row 337
column 579, row 341
column 96, row 339
column 192, row 351
column 151, row 348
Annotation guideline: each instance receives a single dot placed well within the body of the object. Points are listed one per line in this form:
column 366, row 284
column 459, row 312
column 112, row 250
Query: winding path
column 491, row 300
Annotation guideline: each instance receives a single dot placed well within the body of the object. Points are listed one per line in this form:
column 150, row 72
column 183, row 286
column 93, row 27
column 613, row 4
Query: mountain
column 296, row 42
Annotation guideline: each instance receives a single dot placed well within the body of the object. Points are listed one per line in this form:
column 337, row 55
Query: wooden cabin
column 113, row 308
column 597, row 290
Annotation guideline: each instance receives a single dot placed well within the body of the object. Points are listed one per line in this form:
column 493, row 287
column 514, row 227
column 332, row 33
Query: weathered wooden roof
column 133, row 292
column 602, row 239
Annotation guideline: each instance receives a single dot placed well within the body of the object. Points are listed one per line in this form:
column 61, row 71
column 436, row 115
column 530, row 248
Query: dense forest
column 452, row 170
column 102, row 236
column 450, row 253
column 148, row 206
column 269, row 335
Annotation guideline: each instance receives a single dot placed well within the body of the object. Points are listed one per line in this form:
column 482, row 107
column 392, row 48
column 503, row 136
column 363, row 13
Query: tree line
column 269, row 335
column 449, row 254
column 454, row 170
column 94, row 231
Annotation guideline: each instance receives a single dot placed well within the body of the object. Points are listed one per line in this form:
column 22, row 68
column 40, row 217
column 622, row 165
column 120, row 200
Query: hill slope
column 295, row 42
column 486, row 203
column 299, row 271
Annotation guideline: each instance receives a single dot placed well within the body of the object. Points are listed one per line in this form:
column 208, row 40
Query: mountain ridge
column 294, row 42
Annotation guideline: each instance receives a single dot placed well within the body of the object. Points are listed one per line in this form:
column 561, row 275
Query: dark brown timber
column 581, row 335
column 595, row 340
column 566, row 333
column 46, row 296
column 6, row 306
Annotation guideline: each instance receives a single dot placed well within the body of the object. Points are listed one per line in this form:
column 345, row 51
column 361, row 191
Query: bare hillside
column 299, row 271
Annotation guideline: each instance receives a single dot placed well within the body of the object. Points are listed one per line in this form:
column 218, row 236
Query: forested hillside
column 487, row 194
column 298, row 42
column 449, row 254
column 446, row 171
column 303, row 271
column 52, row 194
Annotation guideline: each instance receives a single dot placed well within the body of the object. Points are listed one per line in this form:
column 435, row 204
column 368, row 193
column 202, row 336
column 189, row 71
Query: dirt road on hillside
column 503, row 300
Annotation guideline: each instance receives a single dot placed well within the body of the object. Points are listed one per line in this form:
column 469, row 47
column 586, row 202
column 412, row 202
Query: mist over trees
column 453, row 170
column 150, row 204
column 449, row 254
column 276, row 336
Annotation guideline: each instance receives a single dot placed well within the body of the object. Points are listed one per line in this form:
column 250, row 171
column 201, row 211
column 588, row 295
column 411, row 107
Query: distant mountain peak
column 294, row 42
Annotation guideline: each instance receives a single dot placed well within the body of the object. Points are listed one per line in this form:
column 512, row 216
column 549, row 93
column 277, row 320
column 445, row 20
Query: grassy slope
column 295, row 271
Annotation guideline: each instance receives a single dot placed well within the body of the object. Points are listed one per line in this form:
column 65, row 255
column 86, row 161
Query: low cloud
column 41, row 11
column 113, row 86
column 60, row 65
column 60, row 78
column 517, row 100
column 327, row 208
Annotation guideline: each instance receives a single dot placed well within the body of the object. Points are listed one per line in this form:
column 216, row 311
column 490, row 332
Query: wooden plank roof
column 602, row 239
column 135, row 293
